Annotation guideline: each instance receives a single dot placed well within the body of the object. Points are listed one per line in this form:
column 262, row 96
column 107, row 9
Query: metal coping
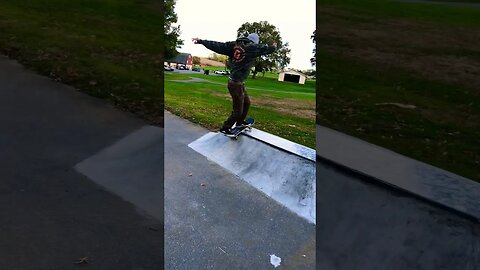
column 283, row 144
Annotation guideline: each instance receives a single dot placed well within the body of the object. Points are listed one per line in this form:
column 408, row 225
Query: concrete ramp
column 281, row 169
column 382, row 210
column 132, row 168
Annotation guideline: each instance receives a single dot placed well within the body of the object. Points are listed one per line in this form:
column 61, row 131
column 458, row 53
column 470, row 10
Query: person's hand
column 195, row 40
column 274, row 44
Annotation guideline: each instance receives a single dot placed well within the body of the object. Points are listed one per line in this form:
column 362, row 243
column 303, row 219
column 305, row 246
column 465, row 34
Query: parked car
column 167, row 68
column 221, row 72
column 182, row 68
column 196, row 69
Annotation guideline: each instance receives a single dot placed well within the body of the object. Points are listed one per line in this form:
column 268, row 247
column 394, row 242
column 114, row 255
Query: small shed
column 182, row 59
column 292, row 76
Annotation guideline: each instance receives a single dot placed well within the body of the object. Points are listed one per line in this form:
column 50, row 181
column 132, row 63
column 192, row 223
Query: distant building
column 182, row 59
column 292, row 76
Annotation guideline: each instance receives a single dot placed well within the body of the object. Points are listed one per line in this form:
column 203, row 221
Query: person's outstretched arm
column 224, row 48
column 261, row 49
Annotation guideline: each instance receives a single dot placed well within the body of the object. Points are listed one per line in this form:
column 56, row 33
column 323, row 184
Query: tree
column 172, row 33
column 196, row 60
column 269, row 34
column 218, row 57
column 309, row 72
column 313, row 60
column 212, row 56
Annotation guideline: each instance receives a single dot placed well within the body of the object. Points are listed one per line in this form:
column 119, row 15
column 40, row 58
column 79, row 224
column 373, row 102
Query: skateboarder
column 241, row 53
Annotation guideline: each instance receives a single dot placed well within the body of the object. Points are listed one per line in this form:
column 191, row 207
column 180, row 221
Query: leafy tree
column 172, row 33
column 196, row 60
column 309, row 72
column 313, row 60
column 269, row 34
column 212, row 56
column 218, row 57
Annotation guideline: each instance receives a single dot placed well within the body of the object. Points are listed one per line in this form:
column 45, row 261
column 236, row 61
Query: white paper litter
column 275, row 261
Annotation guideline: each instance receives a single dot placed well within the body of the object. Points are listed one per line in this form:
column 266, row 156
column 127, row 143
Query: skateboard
column 238, row 130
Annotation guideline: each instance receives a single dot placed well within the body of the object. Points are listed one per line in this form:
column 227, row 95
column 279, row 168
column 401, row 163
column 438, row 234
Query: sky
column 219, row 20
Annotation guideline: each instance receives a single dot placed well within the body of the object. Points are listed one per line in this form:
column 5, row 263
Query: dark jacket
column 241, row 54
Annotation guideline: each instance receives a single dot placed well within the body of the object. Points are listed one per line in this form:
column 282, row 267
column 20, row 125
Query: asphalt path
column 215, row 220
column 81, row 179
column 364, row 225
column 50, row 214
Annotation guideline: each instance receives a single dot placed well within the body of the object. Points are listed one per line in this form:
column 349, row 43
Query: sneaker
column 227, row 132
column 243, row 124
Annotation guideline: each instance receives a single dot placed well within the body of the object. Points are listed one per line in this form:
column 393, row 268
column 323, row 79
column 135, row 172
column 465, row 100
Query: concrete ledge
column 285, row 176
column 415, row 177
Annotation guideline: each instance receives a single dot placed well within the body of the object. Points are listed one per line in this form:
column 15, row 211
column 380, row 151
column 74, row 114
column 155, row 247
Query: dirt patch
column 442, row 53
column 298, row 108
column 205, row 61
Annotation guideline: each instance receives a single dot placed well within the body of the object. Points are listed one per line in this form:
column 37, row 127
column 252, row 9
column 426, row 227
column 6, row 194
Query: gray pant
column 241, row 103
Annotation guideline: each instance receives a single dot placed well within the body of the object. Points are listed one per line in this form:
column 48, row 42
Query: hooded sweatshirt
column 241, row 54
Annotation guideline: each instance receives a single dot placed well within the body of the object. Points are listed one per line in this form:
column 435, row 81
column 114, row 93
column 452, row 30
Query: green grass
column 212, row 68
column 457, row 1
column 265, row 82
column 444, row 128
column 110, row 49
column 209, row 104
column 423, row 12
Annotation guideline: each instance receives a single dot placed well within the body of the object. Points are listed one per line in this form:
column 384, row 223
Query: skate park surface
column 226, row 222
column 213, row 219
column 379, row 210
column 53, row 195
column 52, row 215
column 283, row 170
column 76, row 170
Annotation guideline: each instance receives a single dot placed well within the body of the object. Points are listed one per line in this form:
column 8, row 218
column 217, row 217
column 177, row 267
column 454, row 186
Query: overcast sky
column 219, row 20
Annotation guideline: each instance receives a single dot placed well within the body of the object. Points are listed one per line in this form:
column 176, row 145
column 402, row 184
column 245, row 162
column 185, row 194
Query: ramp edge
column 221, row 150
column 281, row 143
column 430, row 183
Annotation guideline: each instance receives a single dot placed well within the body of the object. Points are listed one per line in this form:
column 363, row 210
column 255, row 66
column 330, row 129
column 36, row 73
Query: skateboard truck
column 238, row 130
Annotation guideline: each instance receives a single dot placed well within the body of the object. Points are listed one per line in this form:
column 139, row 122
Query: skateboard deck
column 239, row 130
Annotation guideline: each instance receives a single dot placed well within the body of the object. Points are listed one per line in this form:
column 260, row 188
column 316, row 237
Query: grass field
column 110, row 49
column 283, row 109
column 404, row 76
